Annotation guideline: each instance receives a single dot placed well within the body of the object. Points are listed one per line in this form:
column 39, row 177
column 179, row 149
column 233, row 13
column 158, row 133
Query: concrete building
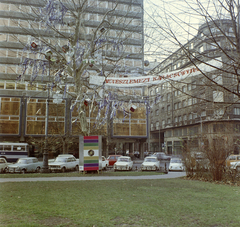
column 199, row 105
column 24, row 107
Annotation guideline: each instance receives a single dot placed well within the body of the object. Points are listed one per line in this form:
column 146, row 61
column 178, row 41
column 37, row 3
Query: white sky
column 166, row 20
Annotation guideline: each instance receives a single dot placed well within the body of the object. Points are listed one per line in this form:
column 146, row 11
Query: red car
column 112, row 159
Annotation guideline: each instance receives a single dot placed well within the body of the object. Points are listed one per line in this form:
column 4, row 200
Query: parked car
column 123, row 163
column 236, row 166
column 150, row 163
column 105, row 163
column 162, row 156
column 4, row 165
column 176, row 164
column 63, row 163
column 24, row 165
column 112, row 159
column 232, row 160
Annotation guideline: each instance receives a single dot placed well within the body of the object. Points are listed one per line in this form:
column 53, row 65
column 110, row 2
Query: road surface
column 85, row 178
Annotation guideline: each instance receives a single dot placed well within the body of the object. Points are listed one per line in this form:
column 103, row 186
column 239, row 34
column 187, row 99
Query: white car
column 176, row 164
column 105, row 163
column 24, row 165
column 236, row 166
column 150, row 163
column 63, row 163
column 4, row 165
column 123, row 163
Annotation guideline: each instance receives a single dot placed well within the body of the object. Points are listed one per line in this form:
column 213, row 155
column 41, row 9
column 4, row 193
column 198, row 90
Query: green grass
column 165, row 202
column 77, row 174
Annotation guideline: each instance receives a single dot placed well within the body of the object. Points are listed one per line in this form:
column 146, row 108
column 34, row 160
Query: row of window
column 91, row 3
column 192, row 116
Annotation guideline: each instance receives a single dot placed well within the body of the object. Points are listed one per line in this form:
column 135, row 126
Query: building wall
column 192, row 106
column 24, row 106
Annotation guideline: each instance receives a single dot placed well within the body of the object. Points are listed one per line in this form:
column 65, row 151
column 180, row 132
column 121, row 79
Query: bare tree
column 67, row 44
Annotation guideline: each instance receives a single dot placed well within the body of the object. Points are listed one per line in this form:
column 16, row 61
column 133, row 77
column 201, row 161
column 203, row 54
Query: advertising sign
column 90, row 153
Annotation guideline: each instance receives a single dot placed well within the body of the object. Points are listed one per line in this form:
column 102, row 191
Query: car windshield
column 176, row 161
column 123, row 160
column 150, row 160
column 60, row 159
column 22, row 161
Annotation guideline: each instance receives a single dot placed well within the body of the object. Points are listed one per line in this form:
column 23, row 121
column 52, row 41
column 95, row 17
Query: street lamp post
column 45, row 154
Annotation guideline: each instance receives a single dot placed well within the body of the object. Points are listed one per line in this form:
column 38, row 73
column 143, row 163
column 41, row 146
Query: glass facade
column 37, row 117
column 9, row 115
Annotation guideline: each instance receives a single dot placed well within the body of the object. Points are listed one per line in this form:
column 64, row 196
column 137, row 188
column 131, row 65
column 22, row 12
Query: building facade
column 198, row 106
column 30, row 111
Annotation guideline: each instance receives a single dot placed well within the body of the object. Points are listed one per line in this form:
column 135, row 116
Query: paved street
column 85, row 178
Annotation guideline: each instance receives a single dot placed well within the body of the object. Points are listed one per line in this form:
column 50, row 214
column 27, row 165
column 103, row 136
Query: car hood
column 176, row 164
column 16, row 165
column 149, row 163
column 57, row 163
column 122, row 163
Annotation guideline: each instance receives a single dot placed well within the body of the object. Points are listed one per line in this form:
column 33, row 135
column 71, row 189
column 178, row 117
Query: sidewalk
column 84, row 178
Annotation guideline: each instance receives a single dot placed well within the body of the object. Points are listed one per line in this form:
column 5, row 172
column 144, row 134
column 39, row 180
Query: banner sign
column 151, row 80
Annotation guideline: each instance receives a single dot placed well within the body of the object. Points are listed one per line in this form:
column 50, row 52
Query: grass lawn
column 165, row 202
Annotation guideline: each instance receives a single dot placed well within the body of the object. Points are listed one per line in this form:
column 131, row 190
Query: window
column 175, row 106
column 157, row 112
column 217, row 96
column 175, row 119
column 184, row 117
column 169, row 120
column 184, row 88
column 168, row 108
column 194, row 85
column 202, row 97
column 203, row 113
column 179, row 118
column 179, row 105
column 176, row 93
column 189, row 101
column 184, row 103
column 163, row 123
column 236, row 111
column 218, row 79
column 157, row 125
column 189, row 87
column 201, row 49
column 190, row 116
column 218, row 113
column 194, row 100
column 168, row 97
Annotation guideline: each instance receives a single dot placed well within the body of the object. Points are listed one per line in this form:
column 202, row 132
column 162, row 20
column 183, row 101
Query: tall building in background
column 24, row 107
column 196, row 107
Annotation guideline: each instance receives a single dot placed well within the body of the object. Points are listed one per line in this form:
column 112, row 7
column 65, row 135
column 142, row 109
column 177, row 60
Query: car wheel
column 63, row 170
column 23, row 171
column 38, row 170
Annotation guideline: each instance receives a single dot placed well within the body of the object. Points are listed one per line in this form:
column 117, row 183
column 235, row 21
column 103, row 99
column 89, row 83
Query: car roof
column 66, row 155
column 28, row 158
